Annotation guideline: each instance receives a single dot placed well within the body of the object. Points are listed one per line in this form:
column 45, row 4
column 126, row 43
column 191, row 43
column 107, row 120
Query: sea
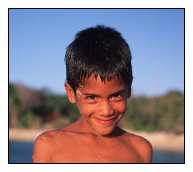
column 21, row 152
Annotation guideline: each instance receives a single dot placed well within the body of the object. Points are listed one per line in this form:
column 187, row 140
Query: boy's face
column 101, row 104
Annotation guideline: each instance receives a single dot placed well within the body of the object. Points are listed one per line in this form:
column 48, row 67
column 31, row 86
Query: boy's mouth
column 106, row 122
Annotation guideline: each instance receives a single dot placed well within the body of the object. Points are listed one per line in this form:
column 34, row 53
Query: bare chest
column 94, row 151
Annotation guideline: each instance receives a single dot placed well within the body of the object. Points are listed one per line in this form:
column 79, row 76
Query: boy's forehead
column 94, row 82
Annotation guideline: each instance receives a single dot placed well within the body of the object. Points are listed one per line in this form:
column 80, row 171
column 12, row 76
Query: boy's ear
column 70, row 93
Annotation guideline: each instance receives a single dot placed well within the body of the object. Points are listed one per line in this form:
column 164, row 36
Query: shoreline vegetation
column 160, row 140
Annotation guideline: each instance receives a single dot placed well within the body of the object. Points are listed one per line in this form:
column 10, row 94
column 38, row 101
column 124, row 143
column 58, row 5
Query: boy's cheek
column 86, row 111
column 120, row 107
column 125, row 107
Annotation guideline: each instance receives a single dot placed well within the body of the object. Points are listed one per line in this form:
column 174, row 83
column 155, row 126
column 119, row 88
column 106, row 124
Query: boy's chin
column 104, row 131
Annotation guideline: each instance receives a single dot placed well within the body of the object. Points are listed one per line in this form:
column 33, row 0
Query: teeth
column 105, row 121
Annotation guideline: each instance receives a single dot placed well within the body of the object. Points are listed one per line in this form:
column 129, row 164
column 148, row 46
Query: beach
column 159, row 140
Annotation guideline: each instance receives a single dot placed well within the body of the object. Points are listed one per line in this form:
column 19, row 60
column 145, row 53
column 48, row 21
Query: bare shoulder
column 43, row 146
column 142, row 146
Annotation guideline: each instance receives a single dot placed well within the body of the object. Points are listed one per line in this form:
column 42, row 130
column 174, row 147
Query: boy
column 99, row 78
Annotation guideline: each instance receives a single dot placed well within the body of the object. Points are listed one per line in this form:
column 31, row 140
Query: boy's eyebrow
column 117, row 92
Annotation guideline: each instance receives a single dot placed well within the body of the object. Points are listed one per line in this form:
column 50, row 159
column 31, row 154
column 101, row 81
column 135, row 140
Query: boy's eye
column 91, row 98
column 117, row 97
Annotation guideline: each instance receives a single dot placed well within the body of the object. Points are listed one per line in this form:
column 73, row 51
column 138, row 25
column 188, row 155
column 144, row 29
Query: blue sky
column 38, row 39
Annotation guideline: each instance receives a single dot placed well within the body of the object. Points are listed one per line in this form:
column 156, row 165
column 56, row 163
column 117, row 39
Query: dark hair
column 100, row 51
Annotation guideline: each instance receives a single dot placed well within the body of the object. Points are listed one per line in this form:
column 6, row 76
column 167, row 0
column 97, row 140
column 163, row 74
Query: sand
column 159, row 140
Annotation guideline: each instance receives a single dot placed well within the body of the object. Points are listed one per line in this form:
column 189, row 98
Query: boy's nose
column 106, row 108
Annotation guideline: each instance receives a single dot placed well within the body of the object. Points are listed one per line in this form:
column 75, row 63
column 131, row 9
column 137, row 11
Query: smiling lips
column 105, row 122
